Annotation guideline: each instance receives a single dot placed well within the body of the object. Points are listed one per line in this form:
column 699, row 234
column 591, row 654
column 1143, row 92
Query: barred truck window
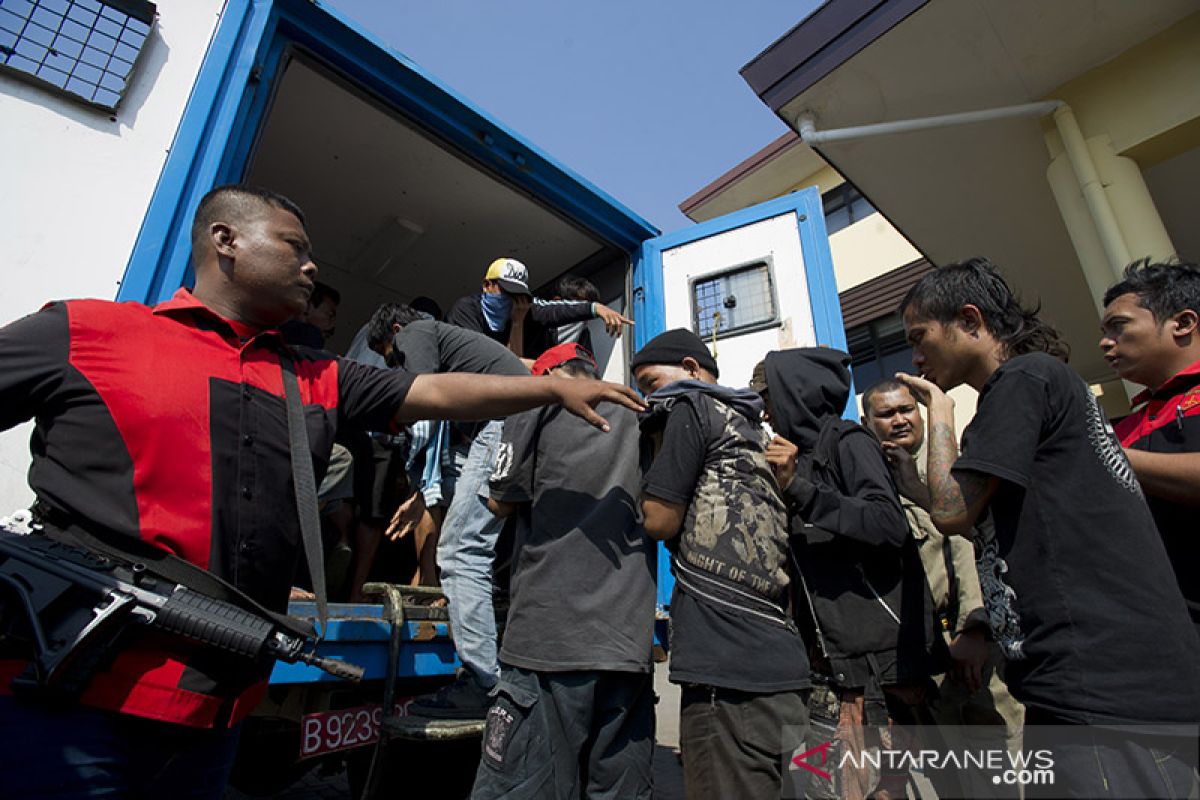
column 82, row 49
column 735, row 301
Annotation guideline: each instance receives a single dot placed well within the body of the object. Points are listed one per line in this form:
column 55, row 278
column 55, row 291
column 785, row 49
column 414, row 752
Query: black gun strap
column 306, row 488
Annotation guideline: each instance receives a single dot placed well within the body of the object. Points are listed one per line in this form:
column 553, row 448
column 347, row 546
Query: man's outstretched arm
column 462, row 396
column 1171, row 476
column 956, row 499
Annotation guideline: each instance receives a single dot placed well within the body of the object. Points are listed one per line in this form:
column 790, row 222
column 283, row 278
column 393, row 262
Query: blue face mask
column 496, row 309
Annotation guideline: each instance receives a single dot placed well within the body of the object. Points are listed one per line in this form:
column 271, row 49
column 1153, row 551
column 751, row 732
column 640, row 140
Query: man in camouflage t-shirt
column 711, row 496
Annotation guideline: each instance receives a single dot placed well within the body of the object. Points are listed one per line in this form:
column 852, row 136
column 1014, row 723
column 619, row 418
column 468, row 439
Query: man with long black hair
column 1093, row 626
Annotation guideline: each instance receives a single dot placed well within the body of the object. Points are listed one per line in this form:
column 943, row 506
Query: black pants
column 82, row 752
column 568, row 735
column 1092, row 762
column 738, row 744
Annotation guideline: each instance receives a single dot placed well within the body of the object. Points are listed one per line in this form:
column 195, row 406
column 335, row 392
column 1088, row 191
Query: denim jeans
column 77, row 751
column 465, row 553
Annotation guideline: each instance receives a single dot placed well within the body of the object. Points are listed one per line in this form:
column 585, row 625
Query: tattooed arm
column 956, row 499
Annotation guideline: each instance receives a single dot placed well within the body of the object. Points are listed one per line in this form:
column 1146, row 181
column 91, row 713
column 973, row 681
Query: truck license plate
column 330, row 731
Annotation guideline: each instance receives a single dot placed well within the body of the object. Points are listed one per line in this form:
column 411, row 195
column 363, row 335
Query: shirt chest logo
column 1190, row 400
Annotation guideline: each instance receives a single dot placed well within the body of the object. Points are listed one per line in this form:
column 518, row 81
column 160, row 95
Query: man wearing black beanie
column 711, row 496
column 671, row 348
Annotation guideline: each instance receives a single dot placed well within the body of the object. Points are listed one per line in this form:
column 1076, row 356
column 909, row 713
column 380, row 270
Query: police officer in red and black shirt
column 168, row 425
column 1151, row 336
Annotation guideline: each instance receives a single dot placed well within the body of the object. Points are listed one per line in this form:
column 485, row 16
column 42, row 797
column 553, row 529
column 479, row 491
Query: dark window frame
column 877, row 347
column 83, row 50
column 773, row 321
column 845, row 196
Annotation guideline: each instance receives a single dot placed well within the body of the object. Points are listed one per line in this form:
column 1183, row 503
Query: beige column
column 1106, row 208
column 1105, row 204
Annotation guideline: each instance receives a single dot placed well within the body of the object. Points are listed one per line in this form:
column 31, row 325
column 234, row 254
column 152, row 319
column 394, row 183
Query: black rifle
column 76, row 604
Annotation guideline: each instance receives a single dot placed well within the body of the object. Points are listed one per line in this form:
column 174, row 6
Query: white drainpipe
column 809, row 133
column 1076, row 148
column 1080, row 156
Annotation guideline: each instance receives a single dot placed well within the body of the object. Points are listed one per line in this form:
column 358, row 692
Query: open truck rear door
column 409, row 189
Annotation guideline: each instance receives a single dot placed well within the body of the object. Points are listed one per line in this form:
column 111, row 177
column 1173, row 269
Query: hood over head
column 807, row 386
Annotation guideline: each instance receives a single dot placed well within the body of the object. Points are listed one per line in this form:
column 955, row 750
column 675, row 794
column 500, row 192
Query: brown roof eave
column 763, row 156
column 822, row 42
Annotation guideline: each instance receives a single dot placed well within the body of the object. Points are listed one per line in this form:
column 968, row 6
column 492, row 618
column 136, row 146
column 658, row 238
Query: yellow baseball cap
column 510, row 274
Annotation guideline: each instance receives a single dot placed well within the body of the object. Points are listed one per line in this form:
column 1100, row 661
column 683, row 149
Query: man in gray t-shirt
column 467, row 543
column 574, row 709
column 428, row 346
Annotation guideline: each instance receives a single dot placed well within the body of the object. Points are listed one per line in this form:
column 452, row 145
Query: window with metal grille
column 85, row 49
column 878, row 349
column 734, row 301
column 844, row 205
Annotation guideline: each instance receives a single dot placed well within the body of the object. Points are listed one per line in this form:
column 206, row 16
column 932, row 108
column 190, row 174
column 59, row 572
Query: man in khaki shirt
column 973, row 705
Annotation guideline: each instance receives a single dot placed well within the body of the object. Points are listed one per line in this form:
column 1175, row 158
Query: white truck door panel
column 773, row 245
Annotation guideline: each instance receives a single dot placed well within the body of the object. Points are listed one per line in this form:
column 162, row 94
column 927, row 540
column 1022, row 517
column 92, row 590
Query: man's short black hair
column 379, row 327
column 571, row 287
column 428, row 305
column 579, row 368
column 1165, row 289
column 321, row 291
column 237, row 201
column 941, row 294
column 879, row 387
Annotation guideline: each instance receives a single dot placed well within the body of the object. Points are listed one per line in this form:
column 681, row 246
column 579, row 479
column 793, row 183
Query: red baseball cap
column 560, row 354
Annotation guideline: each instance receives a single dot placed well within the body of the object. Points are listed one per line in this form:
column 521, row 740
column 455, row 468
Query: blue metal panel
column 796, row 202
column 230, row 98
column 359, row 634
column 161, row 255
column 818, row 268
column 649, row 302
column 450, row 116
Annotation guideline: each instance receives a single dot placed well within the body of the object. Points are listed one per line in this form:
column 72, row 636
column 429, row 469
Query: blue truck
column 410, row 189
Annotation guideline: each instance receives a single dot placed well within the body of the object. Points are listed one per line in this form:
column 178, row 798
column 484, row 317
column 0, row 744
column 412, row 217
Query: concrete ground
column 668, row 775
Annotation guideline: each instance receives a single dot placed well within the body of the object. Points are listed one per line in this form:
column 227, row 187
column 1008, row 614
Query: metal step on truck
column 409, row 190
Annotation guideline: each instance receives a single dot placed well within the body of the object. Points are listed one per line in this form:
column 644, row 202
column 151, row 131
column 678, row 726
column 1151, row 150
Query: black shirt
column 543, row 318
column 711, row 644
column 583, row 569
column 1097, row 630
column 862, row 569
column 1168, row 421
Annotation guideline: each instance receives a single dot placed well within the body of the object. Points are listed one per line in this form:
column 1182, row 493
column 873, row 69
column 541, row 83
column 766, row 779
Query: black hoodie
column 850, row 535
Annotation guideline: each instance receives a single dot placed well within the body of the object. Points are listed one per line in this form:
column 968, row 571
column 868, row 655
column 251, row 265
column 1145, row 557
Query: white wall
column 78, row 182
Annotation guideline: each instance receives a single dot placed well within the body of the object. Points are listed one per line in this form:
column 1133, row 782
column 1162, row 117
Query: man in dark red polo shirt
column 1151, row 337
column 168, row 425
